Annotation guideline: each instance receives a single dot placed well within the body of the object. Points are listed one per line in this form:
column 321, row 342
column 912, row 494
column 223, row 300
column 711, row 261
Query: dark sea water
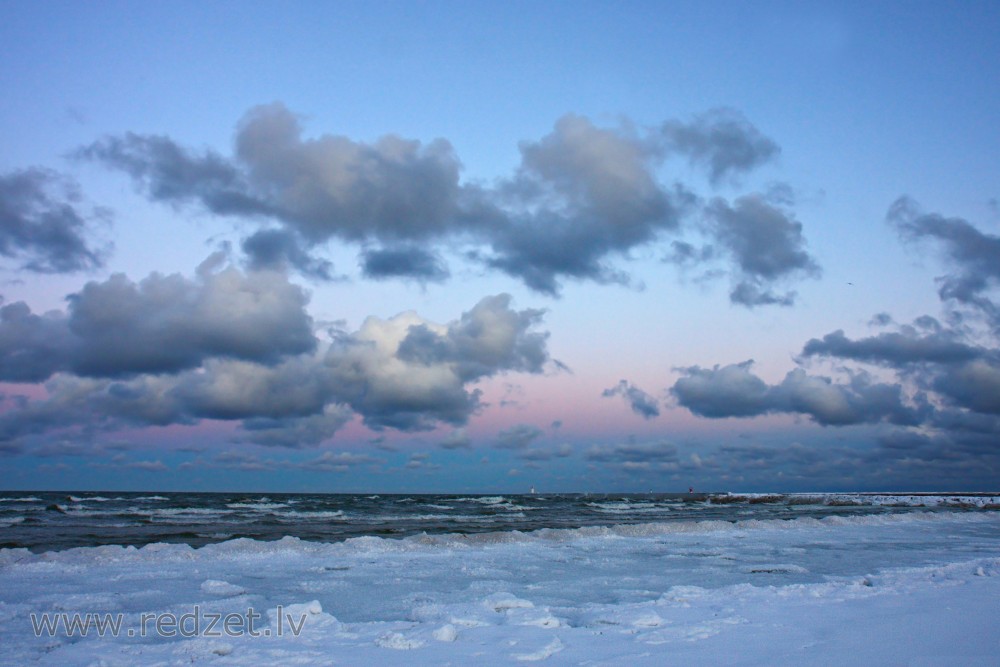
column 46, row 521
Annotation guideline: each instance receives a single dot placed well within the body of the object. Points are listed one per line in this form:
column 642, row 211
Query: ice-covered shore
column 914, row 588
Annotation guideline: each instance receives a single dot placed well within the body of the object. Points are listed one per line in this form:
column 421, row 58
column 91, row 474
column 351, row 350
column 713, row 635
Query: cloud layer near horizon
column 944, row 392
column 240, row 346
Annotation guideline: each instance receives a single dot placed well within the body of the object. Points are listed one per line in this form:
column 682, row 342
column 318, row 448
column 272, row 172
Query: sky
column 484, row 247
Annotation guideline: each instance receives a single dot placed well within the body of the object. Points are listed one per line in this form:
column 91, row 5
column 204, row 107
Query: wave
column 319, row 514
column 957, row 501
column 483, row 500
column 263, row 506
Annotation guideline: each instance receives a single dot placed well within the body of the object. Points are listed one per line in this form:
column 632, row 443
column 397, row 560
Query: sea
column 45, row 521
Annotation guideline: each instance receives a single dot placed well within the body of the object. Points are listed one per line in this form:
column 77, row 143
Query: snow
column 919, row 588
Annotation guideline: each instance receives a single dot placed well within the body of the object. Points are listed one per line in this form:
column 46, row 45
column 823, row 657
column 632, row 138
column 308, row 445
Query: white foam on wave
column 314, row 515
column 184, row 511
column 958, row 501
column 484, row 500
column 257, row 506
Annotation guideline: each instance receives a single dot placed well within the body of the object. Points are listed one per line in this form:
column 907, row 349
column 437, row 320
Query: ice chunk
column 395, row 640
column 501, row 602
column 446, row 633
column 221, row 588
column 551, row 648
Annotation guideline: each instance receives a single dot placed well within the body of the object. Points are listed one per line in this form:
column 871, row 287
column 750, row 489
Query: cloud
column 394, row 189
column 408, row 373
column 403, row 262
column 730, row 391
column 937, row 419
column 239, row 347
column 162, row 324
column 974, row 385
column 43, row 225
column 734, row 391
column 147, row 466
column 581, row 194
column 895, row 349
column 167, row 172
column 545, row 453
column 33, row 347
column 280, row 249
column 325, row 462
column 974, row 255
column 723, row 141
column 457, row 439
column 766, row 244
column 581, row 198
column 338, row 461
column 641, row 403
column 270, row 395
column 637, row 456
column 517, row 437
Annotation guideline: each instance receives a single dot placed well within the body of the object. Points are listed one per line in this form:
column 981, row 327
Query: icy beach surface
column 913, row 587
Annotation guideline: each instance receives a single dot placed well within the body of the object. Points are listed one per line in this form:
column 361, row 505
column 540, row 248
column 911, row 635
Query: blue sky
column 483, row 247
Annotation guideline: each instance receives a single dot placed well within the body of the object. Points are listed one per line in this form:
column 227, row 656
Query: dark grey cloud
column 44, row 225
column 957, row 364
column 545, row 453
column 974, row 385
column 326, row 462
column 734, row 391
column 641, row 403
column 937, row 420
column 281, row 249
column 162, row 324
column 766, row 244
column 684, row 253
column 298, row 432
column 517, row 437
column 235, row 390
column 332, row 186
column 582, row 198
column 33, row 347
column 581, row 195
column 169, row 173
column 403, row 262
column 637, row 457
column 722, row 140
column 729, row 391
column 974, row 255
column 329, row 187
column 488, row 338
column 403, row 372
column 896, row 349
column 457, row 439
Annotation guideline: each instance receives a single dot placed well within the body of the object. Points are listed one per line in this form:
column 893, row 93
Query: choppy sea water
column 48, row 521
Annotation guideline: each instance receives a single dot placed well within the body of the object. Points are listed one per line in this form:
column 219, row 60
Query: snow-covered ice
column 916, row 588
